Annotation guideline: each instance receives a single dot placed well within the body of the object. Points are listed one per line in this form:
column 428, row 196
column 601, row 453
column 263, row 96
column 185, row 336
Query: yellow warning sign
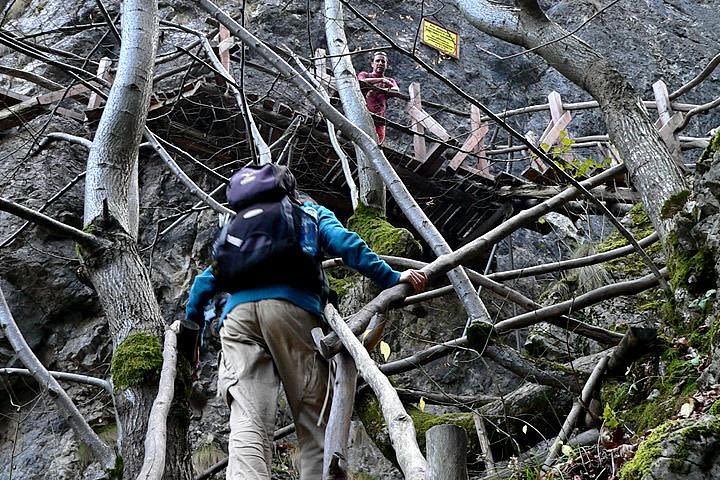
column 440, row 38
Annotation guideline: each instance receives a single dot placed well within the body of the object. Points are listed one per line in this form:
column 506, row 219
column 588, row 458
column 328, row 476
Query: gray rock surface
column 689, row 451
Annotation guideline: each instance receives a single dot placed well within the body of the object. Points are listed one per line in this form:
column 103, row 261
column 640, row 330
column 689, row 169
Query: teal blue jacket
column 333, row 239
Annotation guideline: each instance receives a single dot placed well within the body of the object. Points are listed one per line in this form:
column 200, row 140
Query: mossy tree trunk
column 118, row 274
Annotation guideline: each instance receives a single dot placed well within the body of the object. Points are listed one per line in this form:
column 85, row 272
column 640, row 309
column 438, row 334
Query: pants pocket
column 227, row 377
column 315, row 385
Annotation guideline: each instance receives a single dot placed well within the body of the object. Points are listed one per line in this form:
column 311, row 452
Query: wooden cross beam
column 30, row 107
column 474, row 143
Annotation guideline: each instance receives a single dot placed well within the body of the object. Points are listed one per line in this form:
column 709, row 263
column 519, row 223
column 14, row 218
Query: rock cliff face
column 59, row 314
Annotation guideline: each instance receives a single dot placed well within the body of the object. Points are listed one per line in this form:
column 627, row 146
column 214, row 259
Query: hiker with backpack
column 269, row 259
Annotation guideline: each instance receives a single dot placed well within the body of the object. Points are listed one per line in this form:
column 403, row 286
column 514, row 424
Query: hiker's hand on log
column 416, row 278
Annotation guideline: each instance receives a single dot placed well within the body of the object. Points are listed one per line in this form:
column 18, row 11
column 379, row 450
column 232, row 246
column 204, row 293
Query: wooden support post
column 554, row 132
column 226, row 43
column 417, row 127
column 662, row 99
column 446, row 453
column 321, row 74
column 103, row 72
column 484, row 444
column 667, row 123
column 338, row 427
column 557, row 113
column 477, row 126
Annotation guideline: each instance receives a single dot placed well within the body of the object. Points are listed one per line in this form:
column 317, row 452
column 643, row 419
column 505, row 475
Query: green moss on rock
column 650, row 301
column 340, row 285
column 681, row 437
column 674, row 204
column 645, row 405
column 715, row 408
column 381, row 235
column 649, row 451
column 631, row 265
column 689, row 269
column 712, row 148
column 137, row 360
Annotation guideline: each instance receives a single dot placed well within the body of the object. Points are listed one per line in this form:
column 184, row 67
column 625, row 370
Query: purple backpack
column 264, row 183
column 266, row 243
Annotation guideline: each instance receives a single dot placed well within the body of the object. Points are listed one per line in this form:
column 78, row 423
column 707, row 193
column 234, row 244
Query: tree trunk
column 652, row 170
column 372, row 188
column 120, row 278
column 446, row 452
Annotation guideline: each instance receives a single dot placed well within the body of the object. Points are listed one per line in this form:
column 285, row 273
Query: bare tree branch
column 592, row 297
column 709, row 68
column 572, row 263
column 65, row 405
column 182, row 176
column 55, row 136
column 30, row 77
column 156, row 437
column 50, row 201
column 578, row 406
column 699, row 109
column 65, row 376
column 410, row 395
column 83, row 238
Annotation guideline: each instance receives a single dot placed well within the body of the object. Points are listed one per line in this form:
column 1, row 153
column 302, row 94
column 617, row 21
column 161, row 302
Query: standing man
column 377, row 100
column 266, row 340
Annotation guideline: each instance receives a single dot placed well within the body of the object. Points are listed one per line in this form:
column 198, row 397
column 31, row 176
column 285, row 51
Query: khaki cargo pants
column 265, row 343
